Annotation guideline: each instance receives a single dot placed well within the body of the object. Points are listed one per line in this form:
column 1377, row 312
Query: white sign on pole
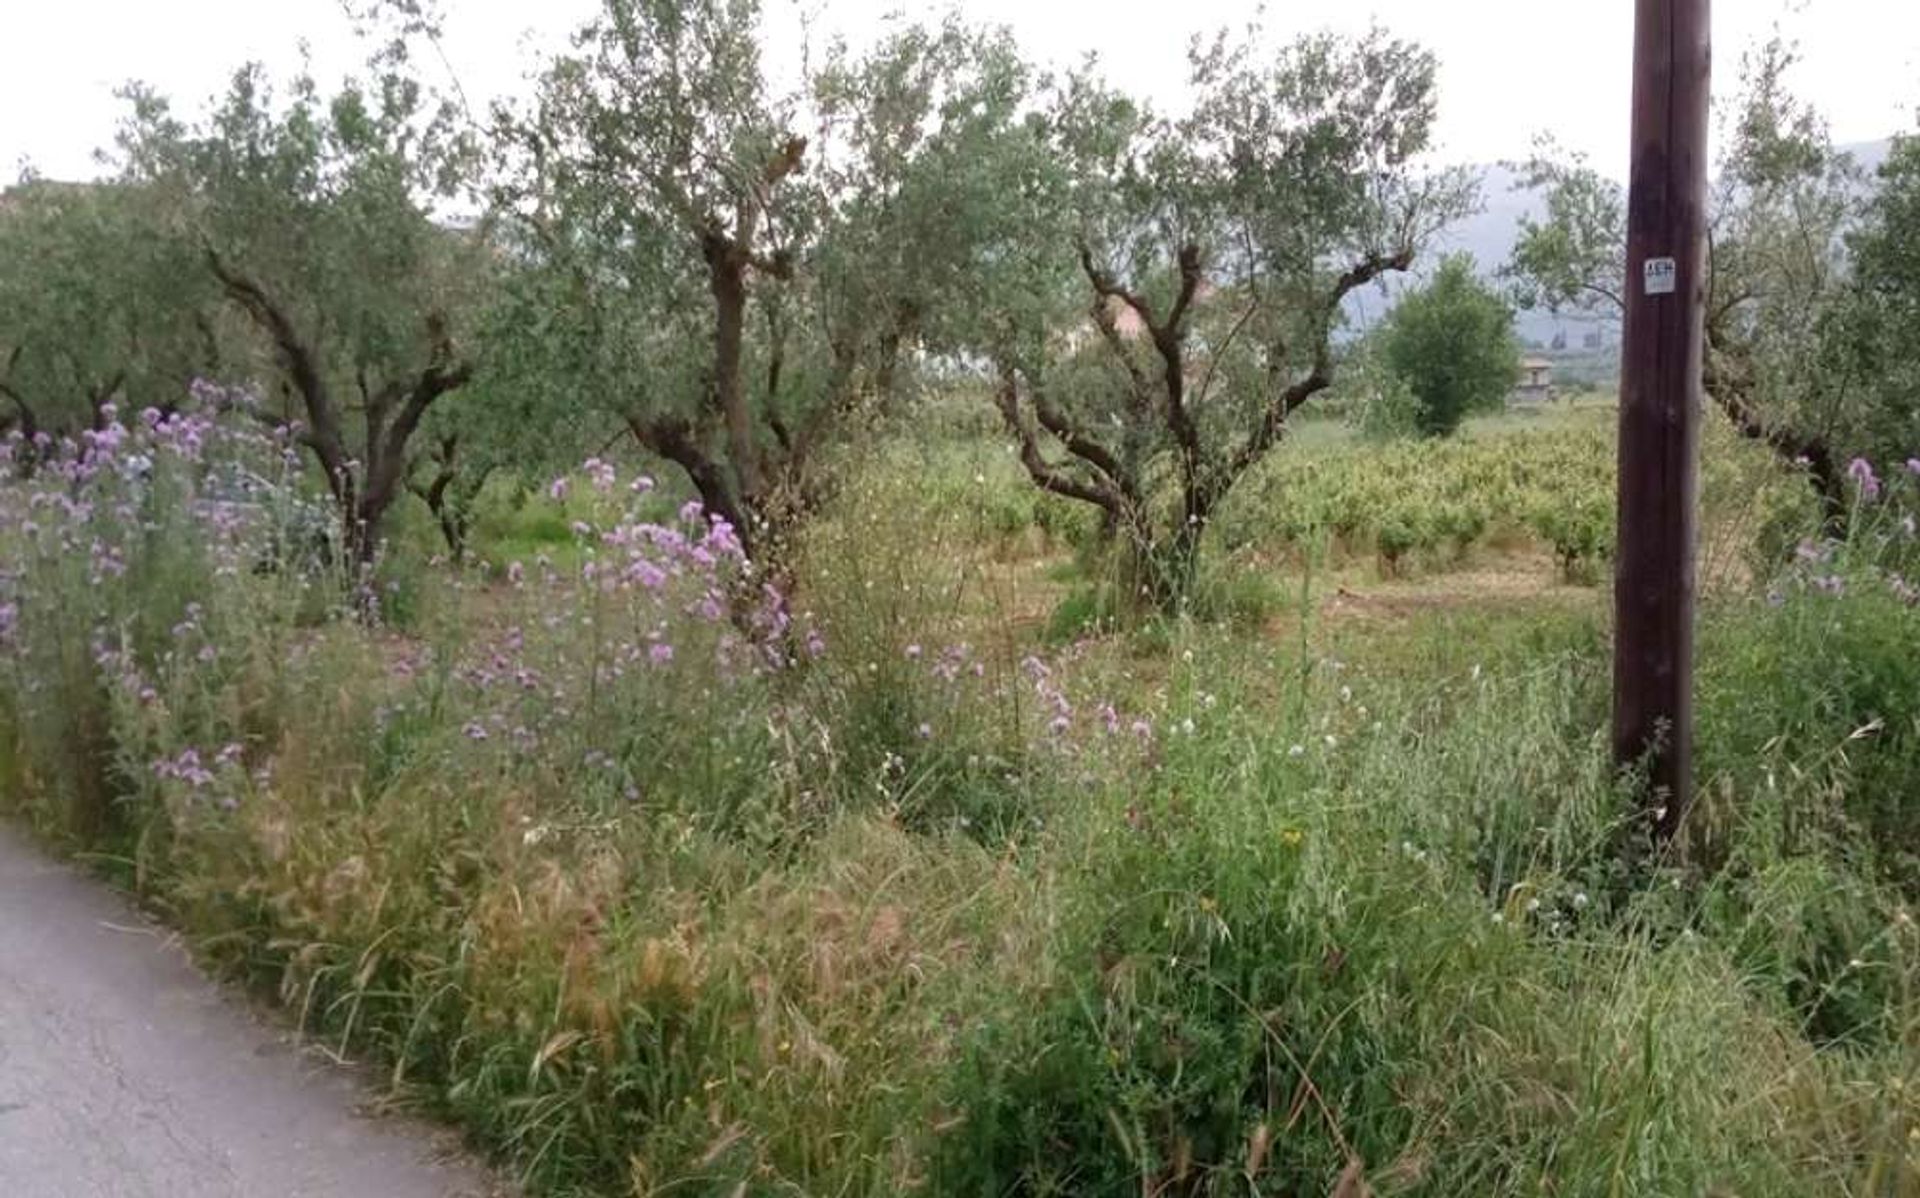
column 1660, row 274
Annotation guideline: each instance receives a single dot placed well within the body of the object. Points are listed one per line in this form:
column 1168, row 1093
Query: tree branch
column 1107, row 287
column 1190, row 279
column 29, row 420
column 1605, row 293
column 1273, row 420
column 674, row 439
column 1219, row 355
column 1082, row 446
column 1169, row 340
column 1110, row 333
column 301, row 365
column 1730, row 386
column 1045, row 475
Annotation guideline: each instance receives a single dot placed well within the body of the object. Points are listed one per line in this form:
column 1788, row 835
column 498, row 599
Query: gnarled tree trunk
column 1165, row 558
column 365, row 485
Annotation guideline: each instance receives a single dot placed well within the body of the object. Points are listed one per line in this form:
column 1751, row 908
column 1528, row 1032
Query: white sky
column 1510, row 68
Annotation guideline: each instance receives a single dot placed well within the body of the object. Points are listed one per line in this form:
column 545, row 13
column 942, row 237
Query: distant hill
column 1871, row 154
column 1489, row 235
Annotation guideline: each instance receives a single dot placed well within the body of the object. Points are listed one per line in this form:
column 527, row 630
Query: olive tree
column 313, row 216
column 97, row 305
column 689, row 264
column 927, row 143
column 651, row 192
column 1208, row 258
column 1873, row 340
column 1783, row 200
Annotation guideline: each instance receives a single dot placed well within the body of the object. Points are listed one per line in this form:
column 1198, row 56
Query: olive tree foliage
column 927, row 140
column 1875, row 335
column 1202, row 262
column 692, row 265
column 1782, row 202
column 652, row 192
column 97, row 306
column 1452, row 342
column 312, row 215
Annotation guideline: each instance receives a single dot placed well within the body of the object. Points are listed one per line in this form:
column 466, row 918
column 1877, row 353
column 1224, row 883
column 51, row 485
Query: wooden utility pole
column 1660, row 402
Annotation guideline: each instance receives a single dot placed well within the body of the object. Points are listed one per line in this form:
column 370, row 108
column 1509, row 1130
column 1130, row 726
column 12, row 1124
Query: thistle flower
column 1861, row 472
column 601, row 475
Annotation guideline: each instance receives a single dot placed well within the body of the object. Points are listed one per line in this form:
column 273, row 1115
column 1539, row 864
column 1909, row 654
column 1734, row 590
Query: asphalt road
column 125, row 1074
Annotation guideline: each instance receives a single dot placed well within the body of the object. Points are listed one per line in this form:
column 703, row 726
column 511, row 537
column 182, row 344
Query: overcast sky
column 1511, row 69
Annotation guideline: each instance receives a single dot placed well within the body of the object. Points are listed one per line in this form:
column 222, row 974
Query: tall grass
column 879, row 888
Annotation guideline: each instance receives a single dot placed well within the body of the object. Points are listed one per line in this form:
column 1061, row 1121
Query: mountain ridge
column 1490, row 234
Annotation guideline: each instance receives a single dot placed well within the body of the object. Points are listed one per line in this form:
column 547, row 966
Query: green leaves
column 1452, row 342
column 313, row 217
column 98, row 302
column 1575, row 259
column 1797, row 354
column 1874, row 334
column 1195, row 267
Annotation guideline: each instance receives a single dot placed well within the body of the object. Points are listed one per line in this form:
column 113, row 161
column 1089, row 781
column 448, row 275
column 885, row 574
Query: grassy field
column 953, row 877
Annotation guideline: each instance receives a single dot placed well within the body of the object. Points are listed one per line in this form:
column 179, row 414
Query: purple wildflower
column 722, row 541
column 647, row 574
column 184, row 768
column 1861, row 472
